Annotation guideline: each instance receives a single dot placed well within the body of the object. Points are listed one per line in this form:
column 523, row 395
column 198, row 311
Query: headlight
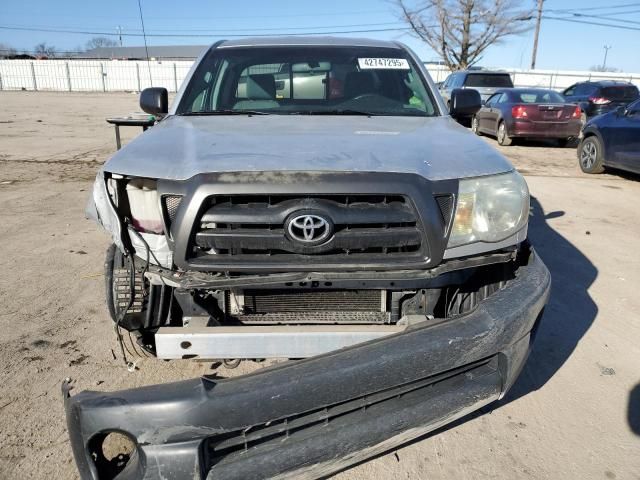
column 490, row 209
column 144, row 205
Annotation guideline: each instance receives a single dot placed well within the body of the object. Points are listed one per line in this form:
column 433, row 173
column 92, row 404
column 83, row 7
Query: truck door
column 624, row 138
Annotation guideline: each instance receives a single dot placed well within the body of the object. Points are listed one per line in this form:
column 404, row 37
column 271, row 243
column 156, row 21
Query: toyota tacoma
column 311, row 199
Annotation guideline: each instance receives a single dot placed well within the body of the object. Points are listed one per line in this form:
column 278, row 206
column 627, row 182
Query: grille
column 315, row 300
column 445, row 204
column 254, row 228
column 307, row 306
column 171, row 204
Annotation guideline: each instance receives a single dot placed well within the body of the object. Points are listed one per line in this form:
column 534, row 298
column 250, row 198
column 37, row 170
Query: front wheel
column 503, row 138
column 475, row 126
column 590, row 155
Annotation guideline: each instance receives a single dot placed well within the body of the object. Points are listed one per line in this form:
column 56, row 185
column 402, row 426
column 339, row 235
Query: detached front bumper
column 311, row 418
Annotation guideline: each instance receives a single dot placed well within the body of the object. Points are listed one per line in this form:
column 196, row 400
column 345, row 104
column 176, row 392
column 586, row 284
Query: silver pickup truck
column 310, row 199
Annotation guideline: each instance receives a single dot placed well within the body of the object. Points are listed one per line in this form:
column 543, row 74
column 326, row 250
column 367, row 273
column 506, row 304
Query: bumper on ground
column 313, row 417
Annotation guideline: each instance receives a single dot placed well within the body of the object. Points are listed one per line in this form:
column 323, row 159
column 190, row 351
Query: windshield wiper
column 334, row 112
column 224, row 112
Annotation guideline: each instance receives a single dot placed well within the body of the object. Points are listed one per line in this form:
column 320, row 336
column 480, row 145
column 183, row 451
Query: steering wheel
column 363, row 96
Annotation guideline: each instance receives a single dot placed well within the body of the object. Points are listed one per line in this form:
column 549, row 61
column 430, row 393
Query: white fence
column 91, row 75
column 554, row 79
column 126, row 75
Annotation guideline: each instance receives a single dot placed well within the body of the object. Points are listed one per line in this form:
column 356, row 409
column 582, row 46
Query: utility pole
column 535, row 38
column 606, row 51
column 119, row 30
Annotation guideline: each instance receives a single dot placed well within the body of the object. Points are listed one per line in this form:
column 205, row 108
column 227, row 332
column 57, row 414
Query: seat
column 359, row 83
column 261, row 93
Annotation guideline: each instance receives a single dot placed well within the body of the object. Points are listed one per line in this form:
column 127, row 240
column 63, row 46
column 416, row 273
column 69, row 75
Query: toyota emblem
column 309, row 229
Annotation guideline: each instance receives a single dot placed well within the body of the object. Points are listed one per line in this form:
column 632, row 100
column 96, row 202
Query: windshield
column 499, row 80
column 307, row 81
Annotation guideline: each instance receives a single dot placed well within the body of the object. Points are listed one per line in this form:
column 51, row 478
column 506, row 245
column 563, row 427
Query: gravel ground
column 574, row 412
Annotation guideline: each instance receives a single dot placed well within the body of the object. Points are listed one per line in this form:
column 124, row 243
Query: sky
column 562, row 45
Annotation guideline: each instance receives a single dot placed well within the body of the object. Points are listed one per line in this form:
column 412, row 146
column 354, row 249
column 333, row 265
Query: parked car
column 596, row 98
column 484, row 81
column 365, row 231
column 612, row 140
column 527, row 113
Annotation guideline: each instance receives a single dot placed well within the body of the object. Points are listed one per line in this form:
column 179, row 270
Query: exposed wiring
column 130, row 365
column 146, row 246
column 149, row 252
column 448, row 303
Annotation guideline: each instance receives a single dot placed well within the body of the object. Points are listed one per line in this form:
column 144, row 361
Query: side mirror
column 155, row 101
column 464, row 102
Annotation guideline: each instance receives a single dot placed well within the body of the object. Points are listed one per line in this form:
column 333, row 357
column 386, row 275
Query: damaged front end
column 313, row 417
column 419, row 307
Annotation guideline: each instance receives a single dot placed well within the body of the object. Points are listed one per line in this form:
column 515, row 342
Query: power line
column 612, row 14
column 69, row 29
column 209, row 34
column 586, row 22
column 291, row 28
column 621, row 20
column 119, row 18
column 607, row 7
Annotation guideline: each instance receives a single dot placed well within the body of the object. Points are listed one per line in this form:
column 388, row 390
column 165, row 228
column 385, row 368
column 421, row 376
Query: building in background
column 169, row 52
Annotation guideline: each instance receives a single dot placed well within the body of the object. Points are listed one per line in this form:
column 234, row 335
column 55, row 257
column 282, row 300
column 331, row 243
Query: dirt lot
column 574, row 413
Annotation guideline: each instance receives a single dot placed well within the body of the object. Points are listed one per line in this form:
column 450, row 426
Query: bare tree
column 461, row 30
column 98, row 42
column 44, row 50
column 600, row 68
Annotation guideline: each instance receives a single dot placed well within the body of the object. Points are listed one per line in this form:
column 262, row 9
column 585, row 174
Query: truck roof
column 307, row 41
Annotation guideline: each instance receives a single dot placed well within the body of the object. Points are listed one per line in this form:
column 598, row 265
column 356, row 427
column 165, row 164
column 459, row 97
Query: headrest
column 261, row 87
column 359, row 83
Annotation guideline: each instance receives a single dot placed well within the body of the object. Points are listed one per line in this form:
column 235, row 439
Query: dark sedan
column 596, row 98
column 527, row 113
column 612, row 140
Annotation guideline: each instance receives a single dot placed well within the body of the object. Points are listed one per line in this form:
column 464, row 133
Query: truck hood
column 180, row 147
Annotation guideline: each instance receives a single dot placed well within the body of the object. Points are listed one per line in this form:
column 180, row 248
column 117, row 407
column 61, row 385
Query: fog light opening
column 111, row 452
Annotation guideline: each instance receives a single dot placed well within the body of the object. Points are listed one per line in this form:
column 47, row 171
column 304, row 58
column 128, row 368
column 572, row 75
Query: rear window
column 493, row 80
column 625, row 92
column 532, row 96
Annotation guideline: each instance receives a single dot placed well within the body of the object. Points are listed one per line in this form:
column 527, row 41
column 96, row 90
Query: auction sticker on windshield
column 384, row 63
